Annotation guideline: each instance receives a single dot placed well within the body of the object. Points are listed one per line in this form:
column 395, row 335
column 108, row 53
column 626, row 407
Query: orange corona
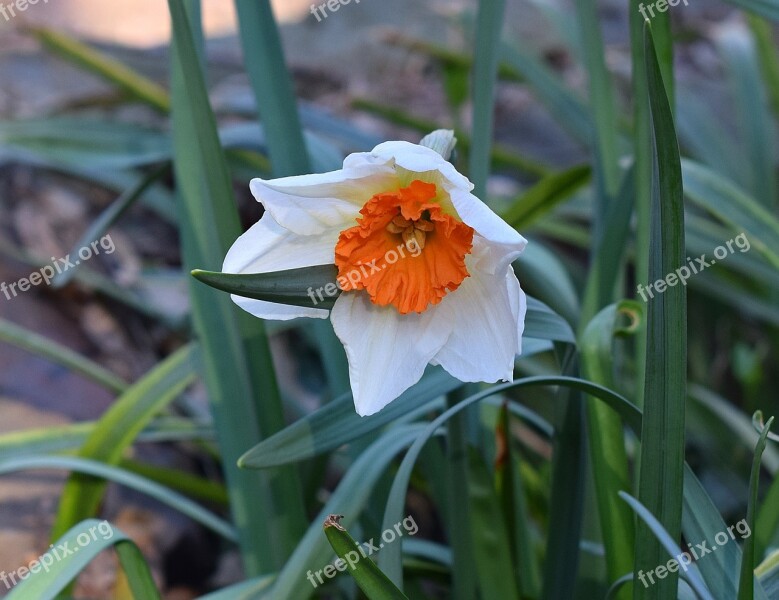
column 411, row 217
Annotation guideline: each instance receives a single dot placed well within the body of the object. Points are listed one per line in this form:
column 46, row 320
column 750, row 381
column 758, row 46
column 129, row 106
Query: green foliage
column 570, row 481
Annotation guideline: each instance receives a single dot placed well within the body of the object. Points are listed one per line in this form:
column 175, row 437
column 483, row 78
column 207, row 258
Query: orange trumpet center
column 405, row 250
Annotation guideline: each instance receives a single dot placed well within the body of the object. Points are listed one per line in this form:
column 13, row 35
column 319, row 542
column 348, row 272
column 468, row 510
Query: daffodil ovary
column 412, row 215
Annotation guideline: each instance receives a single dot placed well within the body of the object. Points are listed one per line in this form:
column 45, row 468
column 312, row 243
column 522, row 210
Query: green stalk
column 662, row 449
column 238, row 370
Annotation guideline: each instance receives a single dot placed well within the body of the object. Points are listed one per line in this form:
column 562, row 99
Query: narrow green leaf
column 489, row 23
column 732, row 206
column 375, row 584
column 670, row 548
column 135, row 85
column 30, row 341
column 48, row 584
column 336, row 424
column 662, row 447
column 106, row 472
column 769, row 60
column 238, row 369
column 491, row 547
column 511, row 491
column 107, row 218
column 746, row 586
column 545, row 195
column 313, row 552
column 389, row 560
column 753, row 117
column 117, row 429
column 606, row 436
column 272, row 85
column 603, row 109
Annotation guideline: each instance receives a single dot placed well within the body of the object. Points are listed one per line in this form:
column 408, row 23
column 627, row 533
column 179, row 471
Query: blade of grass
column 606, row 436
column 489, row 23
column 662, row 448
column 603, row 109
column 117, row 429
column 669, row 545
column 277, row 106
column 746, row 586
column 390, row 558
column 545, row 195
column 489, row 532
column 113, row 71
column 95, row 469
column 237, row 364
column 375, row 584
column 47, row 584
column 769, row 60
column 30, row 341
column 510, row 488
column 753, row 117
column 108, row 217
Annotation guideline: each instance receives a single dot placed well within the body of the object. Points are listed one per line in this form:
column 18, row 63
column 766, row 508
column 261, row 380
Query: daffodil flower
column 424, row 268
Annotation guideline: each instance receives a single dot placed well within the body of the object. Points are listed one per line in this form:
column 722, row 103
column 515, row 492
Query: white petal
column 387, row 351
column 507, row 244
column 311, row 204
column 487, row 311
column 268, row 247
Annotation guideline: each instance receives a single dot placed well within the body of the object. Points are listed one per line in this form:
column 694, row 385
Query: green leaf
column 606, row 436
column 389, row 560
column 100, row 470
column 132, row 83
column 336, row 424
column 491, row 548
column 545, row 195
column 237, row 365
column 768, row 574
column 66, row 438
column 272, row 85
column 48, row 584
column 489, row 22
column 375, row 584
column 30, row 341
column 512, row 494
column 662, row 447
column 767, row 8
column 753, row 117
column 117, row 429
column 603, row 109
column 746, row 586
column 669, row 546
column 108, row 217
column 734, row 207
column 312, row 287
column 351, row 495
